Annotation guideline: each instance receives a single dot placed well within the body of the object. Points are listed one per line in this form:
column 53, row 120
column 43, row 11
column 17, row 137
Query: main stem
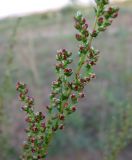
column 77, row 72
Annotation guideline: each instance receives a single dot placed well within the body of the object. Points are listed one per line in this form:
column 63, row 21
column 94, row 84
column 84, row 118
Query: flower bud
column 73, row 108
column 93, row 75
column 85, row 26
column 61, row 126
column 94, row 33
column 115, row 15
column 77, row 25
column 78, row 16
column 78, row 37
column 61, row 117
column 100, row 20
column 74, row 98
column 43, row 125
column 81, row 95
column 68, row 72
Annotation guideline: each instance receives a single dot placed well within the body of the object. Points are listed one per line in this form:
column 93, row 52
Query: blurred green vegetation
column 107, row 97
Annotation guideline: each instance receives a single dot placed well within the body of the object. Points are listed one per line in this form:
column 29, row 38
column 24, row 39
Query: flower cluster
column 34, row 146
column 68, row 88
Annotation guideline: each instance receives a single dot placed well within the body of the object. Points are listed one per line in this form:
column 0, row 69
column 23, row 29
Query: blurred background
column 30, row 34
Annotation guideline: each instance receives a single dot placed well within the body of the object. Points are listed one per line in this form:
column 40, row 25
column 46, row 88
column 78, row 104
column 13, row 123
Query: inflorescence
column 68, row 88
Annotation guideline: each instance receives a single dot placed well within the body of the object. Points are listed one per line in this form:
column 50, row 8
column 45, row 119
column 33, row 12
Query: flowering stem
column 67, row 89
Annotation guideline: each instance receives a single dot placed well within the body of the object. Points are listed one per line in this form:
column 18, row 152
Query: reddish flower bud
column 32, row 140
column 78, row 37
column 100, row 20
column 24, row 108
column 93, row 75
column 94, row 33
column 110, row 10
column 115, row 15
column 22, row 96
column 61, row 127
column 81, row 95
column 68, row 71
column 73, row 108
column 61, row 117
column 34, row 129
column 85, row 26
column 83, row 21
column 55, row 128
column 92, row 63
column 30, row 100
column 33, row 150
column 43, row 125
column 65, row 105
column 87, row 79
column 39, row 157
column 82, row 49
column 77, row 25
column 74, row 98
column 27, row 119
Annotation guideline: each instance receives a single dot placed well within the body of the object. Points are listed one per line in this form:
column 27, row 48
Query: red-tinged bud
column 82, row 49
column 68, row 71
column 61, row 117
column 20, row 85
column 93, row 75
column 87, row 79
column 115, row 15
column 30, row 100
column 43, row 125
column 22, row 96
column 76, row 88
column 64, row 51
column 40, row 115
column 27, row 119
column 100, row 20
column 85, row 27
column 33, row 150
column 110, row 10
column 82, row 80
column 55, row 83
column 86, row 33
column 81, row 95
column 59, row 66
column 65, row 105
column 48, row 108
column 17, row 86
column 78, row 37
column 92, row 63
column 94, row 33
column 32, row 140
column 34, row 129
column 83, row 21
column 74, row 98
column 24, row 108
column 77, row 25
column 54, row 128
column 61, row 126
column 74, row 108
column 39, row 157
column 26, row 91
